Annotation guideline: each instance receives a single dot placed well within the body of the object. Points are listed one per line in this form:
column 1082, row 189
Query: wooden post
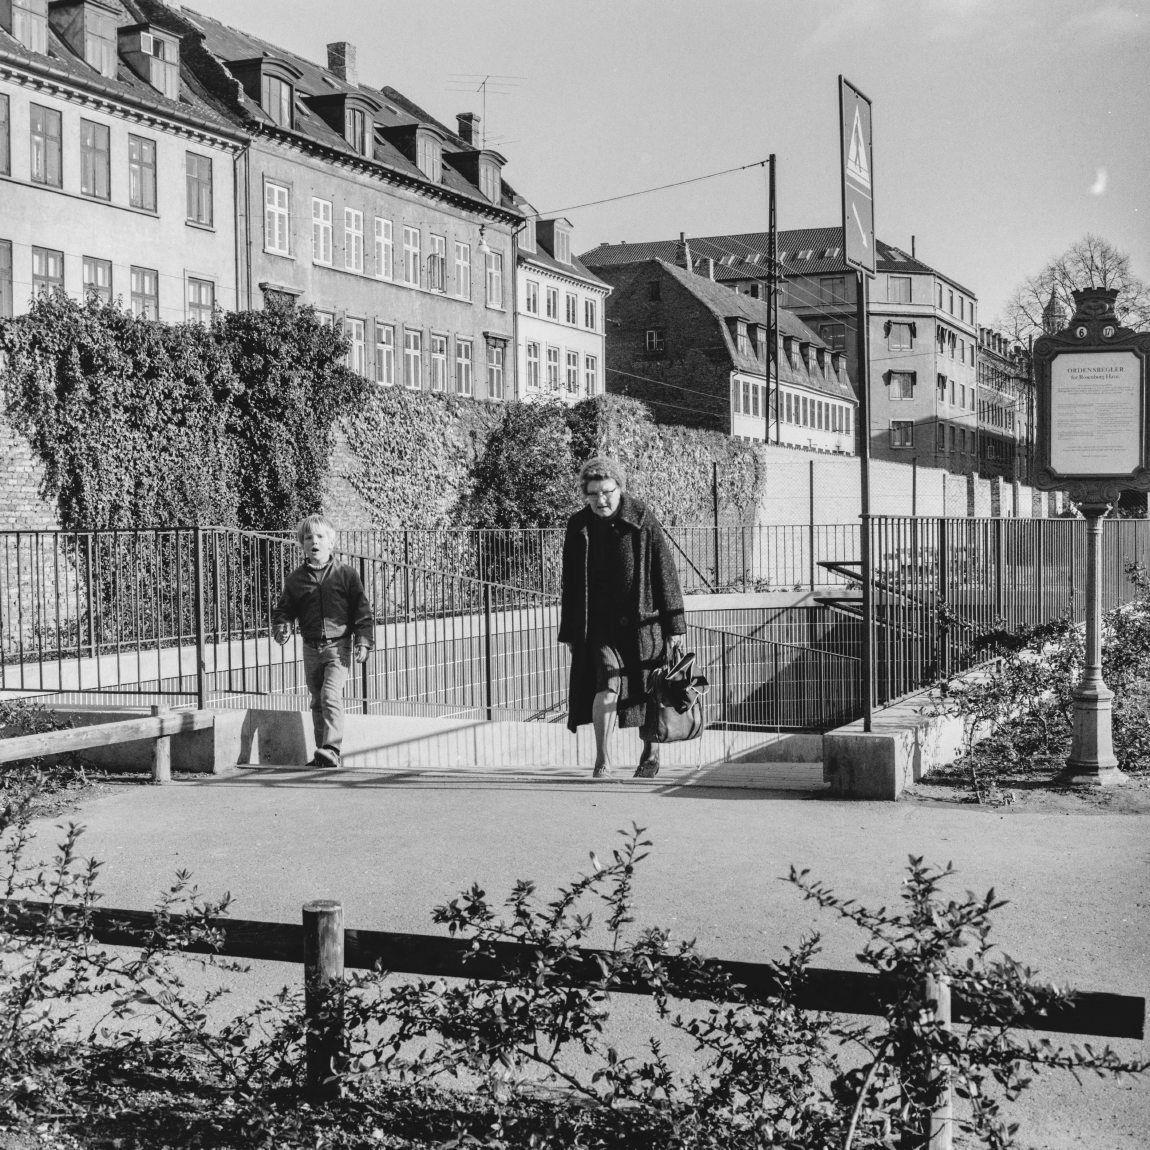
column 323, row 994
column 161, row 751
column 940, row 1133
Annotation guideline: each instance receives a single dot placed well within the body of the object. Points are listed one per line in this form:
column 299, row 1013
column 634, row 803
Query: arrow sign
column 857, row 169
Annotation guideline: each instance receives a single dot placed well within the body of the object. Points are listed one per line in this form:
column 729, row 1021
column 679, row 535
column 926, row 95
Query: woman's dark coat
column 642, row 626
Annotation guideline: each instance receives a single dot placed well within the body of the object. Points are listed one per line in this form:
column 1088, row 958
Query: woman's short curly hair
column 602, row 467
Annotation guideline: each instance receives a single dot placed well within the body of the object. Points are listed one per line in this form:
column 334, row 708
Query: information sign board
column 857, row 177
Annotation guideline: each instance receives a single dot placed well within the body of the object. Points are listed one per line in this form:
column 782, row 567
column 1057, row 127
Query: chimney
column 912, row 247
column 468, row 122
column 341, row 61
column 710, row 265
column 683, row 253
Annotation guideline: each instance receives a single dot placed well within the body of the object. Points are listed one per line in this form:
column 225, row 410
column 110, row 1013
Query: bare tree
column 1091, row 262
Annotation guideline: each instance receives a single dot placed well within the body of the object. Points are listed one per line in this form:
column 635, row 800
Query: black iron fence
column 940, row 585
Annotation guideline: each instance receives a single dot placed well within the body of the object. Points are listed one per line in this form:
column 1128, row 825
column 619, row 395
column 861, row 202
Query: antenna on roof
column 498, row 85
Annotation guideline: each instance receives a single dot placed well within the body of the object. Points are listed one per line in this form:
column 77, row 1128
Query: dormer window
column 27, row 21
column 429, row 156
column 527, row 234
column 277, row 100
column 489, row 179
column 563, row 245
column 154, row 56
column 355, row 129
column 88, row 27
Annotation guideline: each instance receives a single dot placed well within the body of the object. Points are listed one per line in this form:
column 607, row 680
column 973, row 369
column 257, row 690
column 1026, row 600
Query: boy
column 327, row 601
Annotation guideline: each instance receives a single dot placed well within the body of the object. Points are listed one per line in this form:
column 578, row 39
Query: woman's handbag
column 674, row 703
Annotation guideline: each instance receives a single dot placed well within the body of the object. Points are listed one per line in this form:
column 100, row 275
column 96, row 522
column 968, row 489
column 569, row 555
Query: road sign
column 857, row 177
column 1093, row 422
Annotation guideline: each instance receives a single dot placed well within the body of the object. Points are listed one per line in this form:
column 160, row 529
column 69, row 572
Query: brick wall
column 21, row 475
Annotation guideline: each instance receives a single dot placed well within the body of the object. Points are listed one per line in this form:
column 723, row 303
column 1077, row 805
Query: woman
column 622, row 610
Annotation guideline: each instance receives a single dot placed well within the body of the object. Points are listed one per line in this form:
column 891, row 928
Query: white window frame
column 413, row 358
column 590, row 314
column 94, row 271
column 901, row 434
column 896, row 296
column 494, row 280
column 590, row 374
column 384, row 249
column 277, row 218
column 462, row 270
column 138, row 282
column 353, row 240
column 412, row 242
column 496, row 358
column 571, row 375
column 552, row 302
column 321, row 231
column 533, row 369
column 356, row 331
column 464, row 366
column 553, row 379
column 572, row 306
column 385, row 353
column 437, row 263
column 437, row 360
column 562, row 245
column 531, row 297
column 199, row 309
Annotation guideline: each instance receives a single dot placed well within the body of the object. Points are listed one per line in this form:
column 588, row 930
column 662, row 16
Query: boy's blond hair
column 313, row 521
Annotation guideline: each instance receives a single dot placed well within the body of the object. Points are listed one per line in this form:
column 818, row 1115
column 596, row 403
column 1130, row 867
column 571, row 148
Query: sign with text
column 857, row 156
column 1093, row 423
column 1095, row 398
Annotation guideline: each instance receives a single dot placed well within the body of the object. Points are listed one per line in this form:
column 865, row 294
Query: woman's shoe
column 648, row 766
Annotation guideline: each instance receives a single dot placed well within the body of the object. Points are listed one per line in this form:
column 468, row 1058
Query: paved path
column 390, row 849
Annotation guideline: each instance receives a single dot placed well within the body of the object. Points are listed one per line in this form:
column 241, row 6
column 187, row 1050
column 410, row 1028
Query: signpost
column 1093, row 442
column 857, row 156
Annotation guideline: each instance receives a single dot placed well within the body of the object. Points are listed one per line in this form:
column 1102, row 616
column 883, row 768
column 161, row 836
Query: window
column 355, row 129
column 590, row 316
column 163, row 64
column 654, row 339
column 142, row 173
column 495, row 353
column 384, row 249
column 462, row 270
column 98, row 279
column 199, row 175
column 531, row 298
column 412, row 358
column 437, row 264
column 902, row 433
column 527, row 234
column 429, row 157
column 590, row 374
column 201, row 300
column 562, row 245
column 276, row 219
column 902, row 385
column 805, row 420
column 325, row 318
column 145, row 293
column 411, row 256
column 938, row 301
column 833, row 289
column 5, row 279
column 552, row 369
column 463, row 366
column 847, row 421
column 572, row 372
column 552, row 303
column 5, row 137
column 44, row 125
column 950, row 302
column 353, row 239
column 898, row 289
column 489, row 180
column 940, row 437
column 95, row 160
column 356, row 332
column 533, row 365
column 736, row 393
column 834, row 335
column 788, row 408
column 47, row 270
column 30, row 24
column 572, row 308
column 100, row 41
column 754, row 399
column 743, row 340
column 438, row 362
column 276, row 100
column 900, row 338
column 495, row 279
column 321, row 241
column 385, row 353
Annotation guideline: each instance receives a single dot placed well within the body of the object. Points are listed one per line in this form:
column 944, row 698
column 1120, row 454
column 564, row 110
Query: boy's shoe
column 601, row 771
column 648, row 766
column 326, row 757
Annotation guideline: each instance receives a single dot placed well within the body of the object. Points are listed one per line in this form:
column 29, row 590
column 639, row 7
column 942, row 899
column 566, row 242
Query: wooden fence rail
column 325, row 948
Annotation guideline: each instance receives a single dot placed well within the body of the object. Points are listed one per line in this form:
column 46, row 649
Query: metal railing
column 940, row 585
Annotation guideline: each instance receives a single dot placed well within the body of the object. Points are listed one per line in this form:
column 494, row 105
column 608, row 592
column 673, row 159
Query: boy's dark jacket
column 643, row 626
column 328, row 603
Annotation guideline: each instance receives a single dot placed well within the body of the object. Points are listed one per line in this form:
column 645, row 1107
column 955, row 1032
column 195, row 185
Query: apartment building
column 561, row 314
column 116, row 176
column 922, row 329
column 695, row 351
column 1006, row 407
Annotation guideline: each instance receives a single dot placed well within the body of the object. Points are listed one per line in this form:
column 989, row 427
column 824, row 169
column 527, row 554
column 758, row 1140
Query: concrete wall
column 793, row 477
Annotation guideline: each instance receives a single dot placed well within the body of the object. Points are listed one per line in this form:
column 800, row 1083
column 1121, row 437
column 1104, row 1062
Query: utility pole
column 773, row 307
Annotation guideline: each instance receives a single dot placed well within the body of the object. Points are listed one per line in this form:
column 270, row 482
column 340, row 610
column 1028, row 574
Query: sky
column 1004, row 130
